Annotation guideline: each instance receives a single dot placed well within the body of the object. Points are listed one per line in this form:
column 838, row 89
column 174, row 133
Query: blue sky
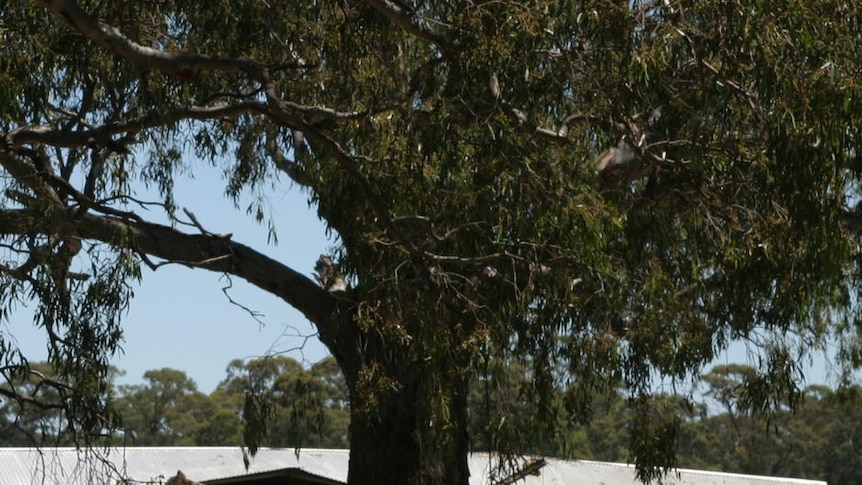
column 180, row 317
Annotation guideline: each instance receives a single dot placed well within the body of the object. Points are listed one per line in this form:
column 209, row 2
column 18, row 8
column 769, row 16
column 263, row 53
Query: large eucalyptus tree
column 452, row 146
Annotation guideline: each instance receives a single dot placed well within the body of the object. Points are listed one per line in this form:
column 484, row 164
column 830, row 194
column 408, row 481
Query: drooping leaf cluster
column 451, row 147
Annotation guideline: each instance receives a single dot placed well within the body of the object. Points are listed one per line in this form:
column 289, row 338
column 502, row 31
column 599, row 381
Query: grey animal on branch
column 328, row 275
column 626, row 158
column 619, row 158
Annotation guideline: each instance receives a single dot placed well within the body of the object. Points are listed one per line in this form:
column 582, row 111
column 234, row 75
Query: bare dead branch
column 200, row 226
column 254, row 314
column 326, row 113
column 531, row 467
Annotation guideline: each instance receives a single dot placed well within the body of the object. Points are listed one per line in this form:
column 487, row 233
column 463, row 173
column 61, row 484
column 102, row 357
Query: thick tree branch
column 28, row 135
column 211, row 252
column 28, row 176
column 109, row 37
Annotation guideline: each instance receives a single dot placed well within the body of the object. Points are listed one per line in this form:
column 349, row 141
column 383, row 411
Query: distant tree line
column 308, row 407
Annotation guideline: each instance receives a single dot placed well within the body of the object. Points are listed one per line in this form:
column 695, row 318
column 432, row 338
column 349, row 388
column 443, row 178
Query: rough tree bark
column 389, row 444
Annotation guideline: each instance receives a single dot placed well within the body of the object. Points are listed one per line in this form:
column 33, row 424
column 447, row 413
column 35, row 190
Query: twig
column 197, row 224
column 200, row 227
column 520, row 118
column 256, row 315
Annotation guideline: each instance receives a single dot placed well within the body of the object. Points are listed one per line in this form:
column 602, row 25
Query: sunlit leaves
column 453, row 156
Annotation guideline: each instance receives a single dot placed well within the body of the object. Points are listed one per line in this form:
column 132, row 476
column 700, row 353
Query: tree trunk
column 394, row 443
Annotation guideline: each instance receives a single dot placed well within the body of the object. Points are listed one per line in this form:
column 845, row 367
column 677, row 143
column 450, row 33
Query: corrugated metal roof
column 584, row 472
column 145, row 465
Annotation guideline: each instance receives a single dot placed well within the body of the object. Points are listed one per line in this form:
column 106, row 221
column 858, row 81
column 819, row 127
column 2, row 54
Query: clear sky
column 181, row 319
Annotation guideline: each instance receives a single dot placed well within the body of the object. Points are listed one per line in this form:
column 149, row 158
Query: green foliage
column 451, row 147
column 270, row 401
column 814, row 441
column 286, row 405
column 166, row 409
column 293, row 407
column 817, row 440
column 34, row 425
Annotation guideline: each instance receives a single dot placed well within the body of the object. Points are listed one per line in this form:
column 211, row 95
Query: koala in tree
column 620, row 157
column 626, row 156
column 328, row 276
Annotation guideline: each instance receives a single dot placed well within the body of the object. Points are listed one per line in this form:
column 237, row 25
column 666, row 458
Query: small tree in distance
column 606, row 191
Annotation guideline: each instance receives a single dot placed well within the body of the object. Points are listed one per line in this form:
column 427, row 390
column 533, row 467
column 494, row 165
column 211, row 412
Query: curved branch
column 28, row 135
column 282, row 113
column 109, row 37
column 206, row 251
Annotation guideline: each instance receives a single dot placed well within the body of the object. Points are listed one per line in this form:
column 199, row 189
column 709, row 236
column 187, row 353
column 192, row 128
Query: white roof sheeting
column 584, row 472
column 146, row 465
